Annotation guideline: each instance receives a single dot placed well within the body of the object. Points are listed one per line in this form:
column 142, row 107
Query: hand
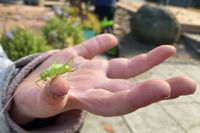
column 98, row 86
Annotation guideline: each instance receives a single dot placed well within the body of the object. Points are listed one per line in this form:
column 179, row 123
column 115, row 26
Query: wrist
column 18, row 116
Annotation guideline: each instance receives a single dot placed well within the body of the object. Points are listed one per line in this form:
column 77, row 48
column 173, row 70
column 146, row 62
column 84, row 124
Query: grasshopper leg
column 37, row 83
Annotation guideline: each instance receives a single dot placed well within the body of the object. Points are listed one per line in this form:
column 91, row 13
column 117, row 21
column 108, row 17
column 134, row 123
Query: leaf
column 107, row 127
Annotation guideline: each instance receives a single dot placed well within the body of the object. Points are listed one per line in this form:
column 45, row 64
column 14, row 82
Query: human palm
column 98, row 86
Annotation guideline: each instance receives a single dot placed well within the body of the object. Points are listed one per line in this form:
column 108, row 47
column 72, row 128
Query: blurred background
column 50, row 24
column 31, row 26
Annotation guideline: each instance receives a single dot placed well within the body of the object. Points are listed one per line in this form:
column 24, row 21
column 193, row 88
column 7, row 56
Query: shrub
column 67, row 27
column 61, row 33
column 18, row 43
column 90, row 21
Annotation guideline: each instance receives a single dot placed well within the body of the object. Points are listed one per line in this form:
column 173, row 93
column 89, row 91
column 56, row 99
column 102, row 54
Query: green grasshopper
column 55, row 70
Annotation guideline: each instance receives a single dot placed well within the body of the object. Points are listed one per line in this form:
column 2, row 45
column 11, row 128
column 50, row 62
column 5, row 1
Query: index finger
column 94, row 46
column 126, row 68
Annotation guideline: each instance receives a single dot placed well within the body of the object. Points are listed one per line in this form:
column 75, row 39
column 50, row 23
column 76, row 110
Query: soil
column 32, row 17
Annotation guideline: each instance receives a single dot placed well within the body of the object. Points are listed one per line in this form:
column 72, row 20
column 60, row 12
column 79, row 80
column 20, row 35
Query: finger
column 126, row 101
column 181, row 86
column 94, row 46
column 54, row 97
column 115, row 85
column 142, row 95
column 126, row 68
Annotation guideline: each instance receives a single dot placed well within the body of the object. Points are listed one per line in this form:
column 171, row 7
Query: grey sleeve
column 6, row 75
column 7, row 71
column 4, row 61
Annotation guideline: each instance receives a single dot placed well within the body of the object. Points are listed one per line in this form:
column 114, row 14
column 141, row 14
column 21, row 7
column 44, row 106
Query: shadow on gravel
column 192, row 47
column 129, row 46
column 186, row 51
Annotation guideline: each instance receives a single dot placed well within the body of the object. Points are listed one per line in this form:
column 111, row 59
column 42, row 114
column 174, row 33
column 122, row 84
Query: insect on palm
column 55, row 70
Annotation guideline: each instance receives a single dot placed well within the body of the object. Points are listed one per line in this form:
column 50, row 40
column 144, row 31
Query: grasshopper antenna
column 6, row 105
column 70, row 61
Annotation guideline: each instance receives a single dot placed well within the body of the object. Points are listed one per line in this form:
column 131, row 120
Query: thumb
column 40, row 104
column 54, row 96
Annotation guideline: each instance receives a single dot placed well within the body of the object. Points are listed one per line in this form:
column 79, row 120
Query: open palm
column 98, row 86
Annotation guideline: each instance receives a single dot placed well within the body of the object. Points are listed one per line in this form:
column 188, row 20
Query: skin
column 98, row 86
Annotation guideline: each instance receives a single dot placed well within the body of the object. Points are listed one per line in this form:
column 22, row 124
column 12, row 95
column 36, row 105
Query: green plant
column 61, row 33
column 90, row 21
column 19, row 43
column 67, row 27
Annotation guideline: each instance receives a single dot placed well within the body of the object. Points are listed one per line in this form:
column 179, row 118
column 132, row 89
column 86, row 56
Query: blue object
column 9, row 35
column 32, row 2
column 12, row 1
column 196, row 3
column 58, row 10
column 88, row 33
column 180, row 3
column 105, row 2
